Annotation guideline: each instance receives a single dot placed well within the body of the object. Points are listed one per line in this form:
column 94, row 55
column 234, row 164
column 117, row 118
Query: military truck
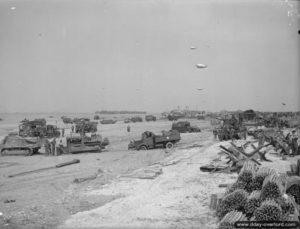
column 108, row 121
column 81, row 144
column 77, row 120
column 127, row 120
column 84, row 126
column 150, row 140
column 96, row 117
column 149, row 118
column 185, row 127
column 67, row 120
column 38, row 128
column 175, row 115
column 136, row 119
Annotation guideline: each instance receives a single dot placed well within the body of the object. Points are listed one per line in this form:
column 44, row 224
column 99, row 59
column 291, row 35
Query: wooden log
column 223, row 185
column 250, row 155
column 229, row 153
column 213, row 201
column 75, row 161
column 80, row 180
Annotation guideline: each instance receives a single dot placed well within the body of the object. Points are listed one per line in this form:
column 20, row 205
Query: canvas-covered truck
column 149, row 118
column 150, row 140
column 185, row 127
column 67, row 120
column 38, row 128
column 86, row 127
column 136, row 119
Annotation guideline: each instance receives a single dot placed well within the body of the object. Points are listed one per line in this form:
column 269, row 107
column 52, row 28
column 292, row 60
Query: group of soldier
column 54, row 147
column 233, row 128
column 230, row 129
column 287, row 144
column 229, row 133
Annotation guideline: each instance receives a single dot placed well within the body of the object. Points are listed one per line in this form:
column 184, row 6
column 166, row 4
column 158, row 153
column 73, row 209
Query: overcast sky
column 82, row 56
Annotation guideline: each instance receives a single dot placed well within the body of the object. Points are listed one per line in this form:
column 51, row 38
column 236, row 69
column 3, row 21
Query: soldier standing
column 128, row 128
column 244, row 132
column 261, row 138
column 53, row 147
column 59, row 148
column 294, row 142
column 215, row 133
column 47, row 147
column 231, row 133
column 63, row 132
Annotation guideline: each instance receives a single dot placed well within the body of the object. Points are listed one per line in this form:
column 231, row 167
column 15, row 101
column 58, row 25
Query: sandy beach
column 52, row 197
column 178, row 197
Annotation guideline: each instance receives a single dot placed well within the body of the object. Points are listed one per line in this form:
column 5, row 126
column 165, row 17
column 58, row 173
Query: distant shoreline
column 120, row 112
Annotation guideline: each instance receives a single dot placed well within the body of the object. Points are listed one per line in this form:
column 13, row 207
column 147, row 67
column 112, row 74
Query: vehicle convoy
column 185, row 127
column 38, row 128
column 80, row 144
column 149, row 118
column 150, row 140
column 96, row 117
column 108, row 121
column 16, row 145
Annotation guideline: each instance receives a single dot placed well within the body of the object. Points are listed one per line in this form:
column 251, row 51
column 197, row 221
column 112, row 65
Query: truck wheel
column 169, row 145
column 3, row 152
column 30, row 152
column 143, row 148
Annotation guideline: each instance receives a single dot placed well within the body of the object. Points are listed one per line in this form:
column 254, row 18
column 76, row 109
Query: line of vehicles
column 172, row 116
column 148, row 118
column 33, row 134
